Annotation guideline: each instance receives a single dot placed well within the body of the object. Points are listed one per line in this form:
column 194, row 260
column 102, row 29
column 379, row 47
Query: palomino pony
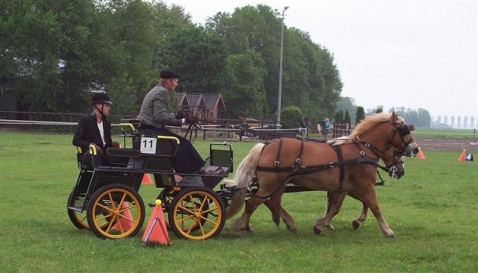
column 394, row 166
column 347, row 168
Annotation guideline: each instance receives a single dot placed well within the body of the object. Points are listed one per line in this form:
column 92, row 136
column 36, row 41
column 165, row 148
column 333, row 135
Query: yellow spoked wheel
column 115, row 211
column 76, row 217
column 197, row 213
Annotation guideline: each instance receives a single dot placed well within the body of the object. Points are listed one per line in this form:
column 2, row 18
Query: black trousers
column 100, row 159
column 187, row 159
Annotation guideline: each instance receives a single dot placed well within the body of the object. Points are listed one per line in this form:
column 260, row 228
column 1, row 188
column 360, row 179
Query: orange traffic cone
column 420, row 154
column 125, row 220
column 156, row 231
column 147, row 179
column 462, row 156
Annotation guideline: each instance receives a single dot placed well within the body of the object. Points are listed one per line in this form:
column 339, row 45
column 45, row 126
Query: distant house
column 203, row 106
column 182, row 101
column 442, row 126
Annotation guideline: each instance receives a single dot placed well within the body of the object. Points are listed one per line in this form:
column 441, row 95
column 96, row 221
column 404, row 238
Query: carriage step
column 79, row 209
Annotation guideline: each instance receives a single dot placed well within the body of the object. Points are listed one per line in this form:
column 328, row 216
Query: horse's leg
column 274, row 211
column 327, row 209
column 274, row 205
column 288, row 221
column 242, row 224
column 334, row 203
column 356, row 223
column 369, row 198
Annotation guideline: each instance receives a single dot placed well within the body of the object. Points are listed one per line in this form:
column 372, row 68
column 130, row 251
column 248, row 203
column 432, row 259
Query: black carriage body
column 146, row 154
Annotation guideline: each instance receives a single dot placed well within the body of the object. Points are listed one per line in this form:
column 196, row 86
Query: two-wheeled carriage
column 106, row 199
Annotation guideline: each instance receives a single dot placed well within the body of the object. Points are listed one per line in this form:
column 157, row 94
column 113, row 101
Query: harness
column 299, row 169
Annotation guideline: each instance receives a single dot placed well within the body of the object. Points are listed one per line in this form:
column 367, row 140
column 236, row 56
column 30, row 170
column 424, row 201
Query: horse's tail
column 245, row 172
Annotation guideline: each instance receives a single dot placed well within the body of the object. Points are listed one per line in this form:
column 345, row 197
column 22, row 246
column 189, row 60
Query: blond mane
column 371, row 121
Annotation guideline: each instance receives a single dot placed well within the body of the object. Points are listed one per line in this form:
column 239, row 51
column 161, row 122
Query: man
column 95, row 129
column 325, row 127
column 155, row 114
column 303, row 125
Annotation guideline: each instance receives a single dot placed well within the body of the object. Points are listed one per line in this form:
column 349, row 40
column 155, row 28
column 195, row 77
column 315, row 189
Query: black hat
column 100, row 98
column 168, row 74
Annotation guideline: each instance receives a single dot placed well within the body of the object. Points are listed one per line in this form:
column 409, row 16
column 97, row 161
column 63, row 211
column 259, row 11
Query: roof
column 210, row 101
column 213, row 101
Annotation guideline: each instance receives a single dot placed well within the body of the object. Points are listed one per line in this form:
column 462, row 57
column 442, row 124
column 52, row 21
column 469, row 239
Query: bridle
column 403, row 130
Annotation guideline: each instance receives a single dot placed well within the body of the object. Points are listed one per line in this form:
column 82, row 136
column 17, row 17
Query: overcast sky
column 411, row 53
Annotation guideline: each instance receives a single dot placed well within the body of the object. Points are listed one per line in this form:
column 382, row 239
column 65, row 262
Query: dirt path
column 433, row 144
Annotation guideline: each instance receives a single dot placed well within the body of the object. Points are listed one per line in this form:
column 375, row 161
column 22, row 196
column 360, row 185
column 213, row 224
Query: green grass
column 444, row 133
column 432, row 210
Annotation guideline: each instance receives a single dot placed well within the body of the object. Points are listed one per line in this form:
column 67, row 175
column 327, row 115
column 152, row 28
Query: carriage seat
column 130, row 129
column 153, row 144
column 79, row 153
column 119, row 157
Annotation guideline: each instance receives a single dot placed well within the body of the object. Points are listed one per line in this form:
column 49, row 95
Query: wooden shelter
column 202, row 105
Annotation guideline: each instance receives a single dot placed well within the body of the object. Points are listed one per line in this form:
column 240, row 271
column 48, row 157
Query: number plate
column 148, row 145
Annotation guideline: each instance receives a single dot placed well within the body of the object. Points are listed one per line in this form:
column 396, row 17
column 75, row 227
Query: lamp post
column 279, row 99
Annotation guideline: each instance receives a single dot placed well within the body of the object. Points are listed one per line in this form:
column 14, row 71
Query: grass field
column 432, row 210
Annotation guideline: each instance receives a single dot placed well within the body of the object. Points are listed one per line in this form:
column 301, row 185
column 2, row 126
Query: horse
column 347, row 168
column 394, row 166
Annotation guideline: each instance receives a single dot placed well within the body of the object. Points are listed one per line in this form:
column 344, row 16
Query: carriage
column 105, row 199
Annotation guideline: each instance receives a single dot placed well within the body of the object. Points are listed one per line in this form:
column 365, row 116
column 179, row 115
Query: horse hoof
column 391, row 235
column 317, row 230
column 249, row 229
column 293, row 230
column 330, row 227
column 276, row 221
column 355, row 224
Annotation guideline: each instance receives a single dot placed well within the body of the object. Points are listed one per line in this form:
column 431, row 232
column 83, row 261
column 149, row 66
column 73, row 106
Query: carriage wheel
column 77, row 218
column 115, row 211
column 197, row 213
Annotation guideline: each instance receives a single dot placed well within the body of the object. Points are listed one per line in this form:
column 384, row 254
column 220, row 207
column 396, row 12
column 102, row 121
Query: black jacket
column 87, row 132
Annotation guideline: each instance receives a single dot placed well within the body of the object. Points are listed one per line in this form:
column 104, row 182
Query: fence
column 227, row 129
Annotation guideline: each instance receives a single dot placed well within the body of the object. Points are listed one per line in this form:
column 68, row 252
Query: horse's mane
column 371, row 121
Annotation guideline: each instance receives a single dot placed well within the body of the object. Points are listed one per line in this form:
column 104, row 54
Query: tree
column 347, row 104
column 291, row 116
column 199, row 56
column 347, row 118
column 360, row 115
column 244, row 87
column 339, row 117
column 49, row 52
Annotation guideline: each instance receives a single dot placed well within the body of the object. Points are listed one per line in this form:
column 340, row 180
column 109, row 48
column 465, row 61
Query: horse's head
column 384, row 131
column 402, row 138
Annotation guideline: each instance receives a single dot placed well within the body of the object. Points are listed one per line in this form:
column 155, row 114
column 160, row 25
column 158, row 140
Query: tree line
column 54, row 52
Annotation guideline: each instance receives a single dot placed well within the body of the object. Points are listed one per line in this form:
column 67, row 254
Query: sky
column 410, row 53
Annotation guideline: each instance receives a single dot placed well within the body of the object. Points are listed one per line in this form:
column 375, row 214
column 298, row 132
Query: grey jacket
column 156, row 109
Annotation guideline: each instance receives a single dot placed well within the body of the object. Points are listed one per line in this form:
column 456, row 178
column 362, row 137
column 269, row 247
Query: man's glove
column 180, row 114
column 192, row 120
column 116, row 144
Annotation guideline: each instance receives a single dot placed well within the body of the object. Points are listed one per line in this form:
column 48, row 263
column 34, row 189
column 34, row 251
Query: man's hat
column 100, row 98
column 168, row 74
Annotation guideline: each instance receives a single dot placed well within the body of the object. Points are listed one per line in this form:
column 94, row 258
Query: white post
column 279, row 99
